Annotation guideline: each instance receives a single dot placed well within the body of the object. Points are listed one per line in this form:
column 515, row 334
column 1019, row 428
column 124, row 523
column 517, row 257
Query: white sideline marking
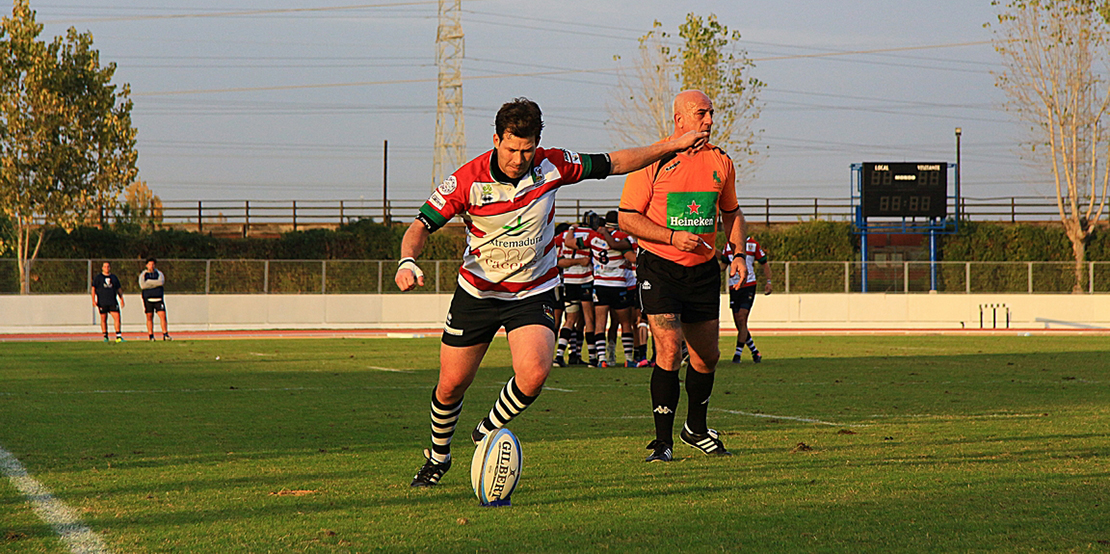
column 556, row 389
column 791, row 418
column 394, row 370
column 74, row 533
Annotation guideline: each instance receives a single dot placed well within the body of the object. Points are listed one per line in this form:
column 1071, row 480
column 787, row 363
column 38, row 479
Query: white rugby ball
column 495, row 469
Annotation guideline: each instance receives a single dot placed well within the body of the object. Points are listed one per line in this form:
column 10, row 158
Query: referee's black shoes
column 707, row 443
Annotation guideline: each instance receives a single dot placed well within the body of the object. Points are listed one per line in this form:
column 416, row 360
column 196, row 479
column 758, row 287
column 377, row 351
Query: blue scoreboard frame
column 903, row 198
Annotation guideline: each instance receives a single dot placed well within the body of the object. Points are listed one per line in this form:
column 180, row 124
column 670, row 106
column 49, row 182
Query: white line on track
column 557, row 389
column 76, row 536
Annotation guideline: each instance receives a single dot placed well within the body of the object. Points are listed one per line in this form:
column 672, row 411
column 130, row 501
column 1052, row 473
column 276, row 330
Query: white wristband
column 410, row 264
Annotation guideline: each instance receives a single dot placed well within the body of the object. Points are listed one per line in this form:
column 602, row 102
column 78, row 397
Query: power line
column 242, row 13
column 605, row 71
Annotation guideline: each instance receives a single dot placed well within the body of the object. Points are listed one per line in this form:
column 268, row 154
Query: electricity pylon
column 450, row 139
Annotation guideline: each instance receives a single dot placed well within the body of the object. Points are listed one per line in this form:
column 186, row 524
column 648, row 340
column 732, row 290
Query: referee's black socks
column 665, row 390
column 699, row 387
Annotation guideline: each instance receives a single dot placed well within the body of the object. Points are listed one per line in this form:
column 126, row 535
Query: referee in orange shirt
column 671, row 206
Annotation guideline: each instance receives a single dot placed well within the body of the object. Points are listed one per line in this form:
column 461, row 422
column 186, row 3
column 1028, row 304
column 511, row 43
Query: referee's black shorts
column 474, row 321
column 669, row 288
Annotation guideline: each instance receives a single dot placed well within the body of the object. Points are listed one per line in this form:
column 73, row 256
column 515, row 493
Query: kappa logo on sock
column 664, row 410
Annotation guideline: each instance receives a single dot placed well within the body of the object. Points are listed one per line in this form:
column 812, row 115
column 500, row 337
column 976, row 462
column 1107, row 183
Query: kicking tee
column 510, row 234
column 684, row 192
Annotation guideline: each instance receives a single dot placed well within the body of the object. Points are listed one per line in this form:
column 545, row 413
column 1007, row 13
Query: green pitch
column 842, row 444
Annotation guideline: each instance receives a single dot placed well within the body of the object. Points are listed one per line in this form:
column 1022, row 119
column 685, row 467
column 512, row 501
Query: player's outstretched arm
column 409, row 275
column 631, row 159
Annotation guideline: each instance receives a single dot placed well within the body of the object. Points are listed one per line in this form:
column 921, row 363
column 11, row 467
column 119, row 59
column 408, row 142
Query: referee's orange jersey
column 683, row 192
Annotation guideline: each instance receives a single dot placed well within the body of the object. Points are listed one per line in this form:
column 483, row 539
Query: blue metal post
column 933, row 259
column 863, row 263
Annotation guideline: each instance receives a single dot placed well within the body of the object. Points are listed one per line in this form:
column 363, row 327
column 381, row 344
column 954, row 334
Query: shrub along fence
column 224, row 276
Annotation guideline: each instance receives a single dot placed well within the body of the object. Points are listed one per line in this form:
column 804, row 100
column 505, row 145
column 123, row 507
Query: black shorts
column 108, row 309
column 742, row 298
column 576, row 294
column 474, row 321
column 669, row 288
column 616, row 298
column 154, row 306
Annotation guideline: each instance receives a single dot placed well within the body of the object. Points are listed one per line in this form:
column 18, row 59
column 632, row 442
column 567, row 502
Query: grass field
column 842, row 444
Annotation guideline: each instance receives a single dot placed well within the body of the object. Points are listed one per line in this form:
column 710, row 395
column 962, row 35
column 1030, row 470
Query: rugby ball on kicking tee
column 495, row 469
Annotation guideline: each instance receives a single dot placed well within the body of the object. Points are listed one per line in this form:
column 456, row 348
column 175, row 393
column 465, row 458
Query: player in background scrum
column 506, row 196
column 611, row 249
column 578, row 281
column 672, row 207
column 740, row 300
column 152, row 283
column 640, row 325
column 560, row 291
column 106, row 289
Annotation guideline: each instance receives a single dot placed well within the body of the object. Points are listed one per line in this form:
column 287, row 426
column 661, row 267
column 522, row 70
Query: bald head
column 693, row 111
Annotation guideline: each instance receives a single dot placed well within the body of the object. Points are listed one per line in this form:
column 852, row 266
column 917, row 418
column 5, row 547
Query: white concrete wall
column 927, row 311
column 75, row 313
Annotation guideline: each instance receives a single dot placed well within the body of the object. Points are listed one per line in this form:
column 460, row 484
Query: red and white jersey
column 577, row 274
column 611, row 269
column 753, row 252
column 630, row 274
column 510, row 242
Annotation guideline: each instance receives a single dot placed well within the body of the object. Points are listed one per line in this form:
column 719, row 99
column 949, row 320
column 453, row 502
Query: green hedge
column 366, row 240
column 1020, row 242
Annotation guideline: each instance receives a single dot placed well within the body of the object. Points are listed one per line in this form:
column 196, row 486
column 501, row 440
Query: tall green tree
column 67, row 147
column 1056, row 55
column 706, row 58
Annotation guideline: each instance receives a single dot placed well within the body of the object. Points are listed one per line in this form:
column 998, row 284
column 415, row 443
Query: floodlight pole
column 959, row 166
column 385, row 183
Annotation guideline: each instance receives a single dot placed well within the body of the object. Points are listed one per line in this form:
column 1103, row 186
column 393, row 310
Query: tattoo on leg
column 666, row 321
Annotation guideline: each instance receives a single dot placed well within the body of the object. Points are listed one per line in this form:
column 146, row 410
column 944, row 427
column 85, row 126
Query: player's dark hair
column 561, row 228
column 151, row 259
column 611, row 217
column 587, row 217
column 521, row 117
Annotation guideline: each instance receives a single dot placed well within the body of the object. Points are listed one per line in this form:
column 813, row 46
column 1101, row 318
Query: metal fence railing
column 245, row 214
column 54, row 276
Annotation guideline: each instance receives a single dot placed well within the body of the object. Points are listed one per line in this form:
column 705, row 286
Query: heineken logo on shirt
column 694, row 212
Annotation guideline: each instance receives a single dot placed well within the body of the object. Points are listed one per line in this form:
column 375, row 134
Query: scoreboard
column 904, row 190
